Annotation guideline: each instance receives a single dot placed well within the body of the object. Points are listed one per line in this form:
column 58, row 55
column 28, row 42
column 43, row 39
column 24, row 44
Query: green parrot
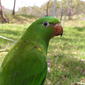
column 26, row 64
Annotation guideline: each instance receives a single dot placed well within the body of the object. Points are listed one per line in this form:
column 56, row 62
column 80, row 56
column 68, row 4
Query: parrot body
column 26, row 64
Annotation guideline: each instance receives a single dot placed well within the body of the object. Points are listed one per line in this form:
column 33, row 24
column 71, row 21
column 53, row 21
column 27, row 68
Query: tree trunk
column 3, row 19
column 61, row 15
column 13, row 12
column 69, row 13
column 47, row 9
column 69, row 9
column 54, row 8
column 62, row 11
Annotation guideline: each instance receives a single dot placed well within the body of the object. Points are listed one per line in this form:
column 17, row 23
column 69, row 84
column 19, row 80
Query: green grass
column 28, row 16
column 72, row 44
column 12, row 30
column 66, row 54
column 66, row 71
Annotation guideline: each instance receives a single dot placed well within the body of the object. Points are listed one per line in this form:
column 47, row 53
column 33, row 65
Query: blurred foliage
column 64, row 8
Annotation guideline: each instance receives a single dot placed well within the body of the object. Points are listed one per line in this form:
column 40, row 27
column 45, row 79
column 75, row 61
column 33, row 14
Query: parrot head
column 47, row 27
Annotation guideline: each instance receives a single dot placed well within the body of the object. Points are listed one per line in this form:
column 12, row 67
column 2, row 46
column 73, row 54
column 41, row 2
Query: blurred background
column 66, row 54
column 63, row 9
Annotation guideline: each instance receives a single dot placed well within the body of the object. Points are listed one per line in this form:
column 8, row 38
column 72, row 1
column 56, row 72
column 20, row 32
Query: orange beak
column 58, row 30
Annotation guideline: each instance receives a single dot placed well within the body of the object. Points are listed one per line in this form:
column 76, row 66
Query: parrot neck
column 36, row 41
column 40, row 45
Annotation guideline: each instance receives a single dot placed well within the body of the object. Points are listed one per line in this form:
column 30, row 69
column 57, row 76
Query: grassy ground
column 66, row 54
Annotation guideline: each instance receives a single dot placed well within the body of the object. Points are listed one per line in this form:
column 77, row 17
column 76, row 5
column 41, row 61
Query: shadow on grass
column 66, row 71
column 10, row 32
column 80, row 28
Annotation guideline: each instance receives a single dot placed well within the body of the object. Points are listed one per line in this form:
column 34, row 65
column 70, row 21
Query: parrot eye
column 46, row 24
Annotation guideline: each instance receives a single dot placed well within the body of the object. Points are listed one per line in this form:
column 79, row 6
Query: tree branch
column 5, row 38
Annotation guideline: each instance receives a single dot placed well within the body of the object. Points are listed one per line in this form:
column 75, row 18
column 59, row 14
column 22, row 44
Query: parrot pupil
column 46, row 23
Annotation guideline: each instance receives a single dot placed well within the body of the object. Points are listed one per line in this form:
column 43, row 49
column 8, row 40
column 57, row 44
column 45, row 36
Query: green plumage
column 26, row 64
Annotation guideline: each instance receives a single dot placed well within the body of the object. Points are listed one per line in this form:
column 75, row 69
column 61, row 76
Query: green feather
column 26, row 63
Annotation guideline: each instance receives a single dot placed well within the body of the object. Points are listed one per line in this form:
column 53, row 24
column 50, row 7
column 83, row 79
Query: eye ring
column 46, row 24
